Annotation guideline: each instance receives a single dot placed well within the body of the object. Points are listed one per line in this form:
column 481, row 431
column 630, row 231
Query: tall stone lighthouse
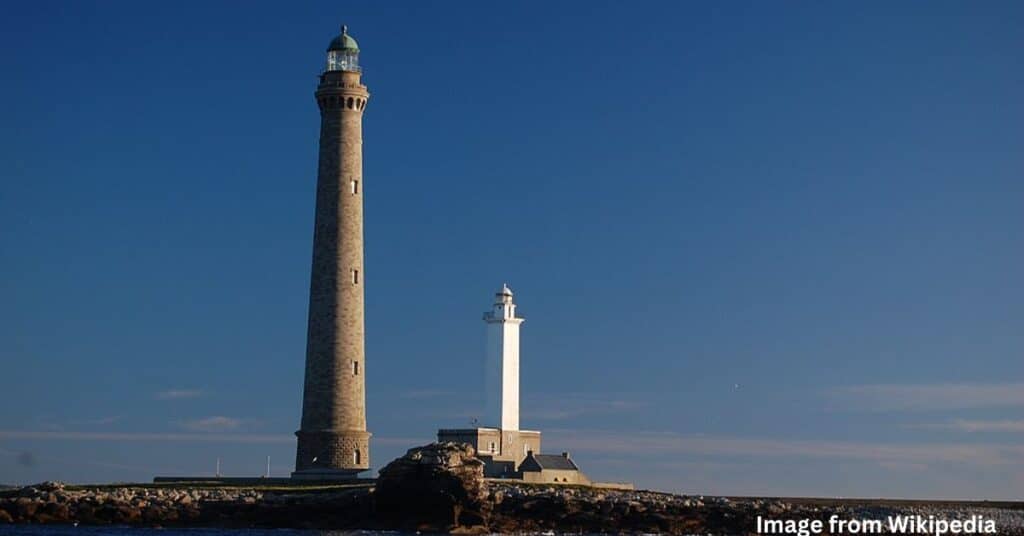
column 332, row 440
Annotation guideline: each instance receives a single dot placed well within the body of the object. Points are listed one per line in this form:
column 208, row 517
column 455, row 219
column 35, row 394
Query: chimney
column 565, row 455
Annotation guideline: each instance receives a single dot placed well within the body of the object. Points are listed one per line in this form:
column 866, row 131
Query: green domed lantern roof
column 343, row 42
column 343, row 53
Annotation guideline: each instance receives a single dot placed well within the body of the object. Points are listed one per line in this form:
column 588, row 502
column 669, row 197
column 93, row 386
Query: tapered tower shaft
column 502, row 369
column 333, row 438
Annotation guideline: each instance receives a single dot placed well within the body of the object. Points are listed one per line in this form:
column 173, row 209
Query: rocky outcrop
column 54, row 503
column 436, row 487
column 440, row 488
column 578, row 509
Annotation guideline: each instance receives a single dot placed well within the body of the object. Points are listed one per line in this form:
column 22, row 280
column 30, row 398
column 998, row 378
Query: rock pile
column 436, row 487
column 540, row 508
column 55, row 503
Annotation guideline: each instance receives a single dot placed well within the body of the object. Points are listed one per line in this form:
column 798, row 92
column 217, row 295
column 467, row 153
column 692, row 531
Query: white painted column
column 502, row 370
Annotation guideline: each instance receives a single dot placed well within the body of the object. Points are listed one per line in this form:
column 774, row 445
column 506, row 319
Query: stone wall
column 511, row 446
column 554, row 476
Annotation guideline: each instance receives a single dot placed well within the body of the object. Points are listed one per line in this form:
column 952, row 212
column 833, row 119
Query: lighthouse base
column 320, row 475
column 332, row 451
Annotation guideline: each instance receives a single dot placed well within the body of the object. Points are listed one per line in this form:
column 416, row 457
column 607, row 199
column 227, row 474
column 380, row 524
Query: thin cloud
column 543, row 407
column 145, row 436
column 408, row 442
column 102, row 421
column 904, row 466
column 216, row 423
column 48, row 461
column 669, row 444
column 965, row 425
column 177, row 394
column 567, row 406
column 48, row 424
column 184, row 437
column 927, row 397
column 426, row 393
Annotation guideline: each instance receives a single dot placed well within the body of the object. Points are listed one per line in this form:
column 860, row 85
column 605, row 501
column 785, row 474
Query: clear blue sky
column 762, row 248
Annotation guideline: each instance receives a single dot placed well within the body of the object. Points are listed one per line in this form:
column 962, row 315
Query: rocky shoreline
column 439, row 488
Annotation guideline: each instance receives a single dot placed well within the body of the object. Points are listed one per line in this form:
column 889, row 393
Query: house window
column 355, row 187
column 355, row 277
column 356, row 457
column 355, row 368
column 494, row 447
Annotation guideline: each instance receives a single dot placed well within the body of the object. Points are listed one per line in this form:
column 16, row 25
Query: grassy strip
column 199, row 484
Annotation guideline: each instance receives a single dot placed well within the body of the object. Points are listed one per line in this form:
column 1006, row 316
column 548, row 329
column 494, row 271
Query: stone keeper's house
column 557, row 468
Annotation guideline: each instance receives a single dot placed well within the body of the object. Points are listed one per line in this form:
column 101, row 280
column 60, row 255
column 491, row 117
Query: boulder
column 28, row 491
column 58, row 511
column 50, row 486
column 26, row 507
column 436, row 487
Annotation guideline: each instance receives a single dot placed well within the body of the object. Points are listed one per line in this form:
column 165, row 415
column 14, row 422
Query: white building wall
column 510, row 380
column 494, row 376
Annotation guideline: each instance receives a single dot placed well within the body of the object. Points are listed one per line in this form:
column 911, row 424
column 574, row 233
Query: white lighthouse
column 498, row 440
column 502, row 365
column 507, row 451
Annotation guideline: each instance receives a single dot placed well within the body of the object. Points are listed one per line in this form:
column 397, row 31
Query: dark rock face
column 436, row 487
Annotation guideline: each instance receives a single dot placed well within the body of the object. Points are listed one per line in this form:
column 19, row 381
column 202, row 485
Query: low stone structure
column 551, row 468
column 502, row 451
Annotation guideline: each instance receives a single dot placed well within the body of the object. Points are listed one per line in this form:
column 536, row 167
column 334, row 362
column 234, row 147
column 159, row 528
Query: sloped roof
column 548, row 461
